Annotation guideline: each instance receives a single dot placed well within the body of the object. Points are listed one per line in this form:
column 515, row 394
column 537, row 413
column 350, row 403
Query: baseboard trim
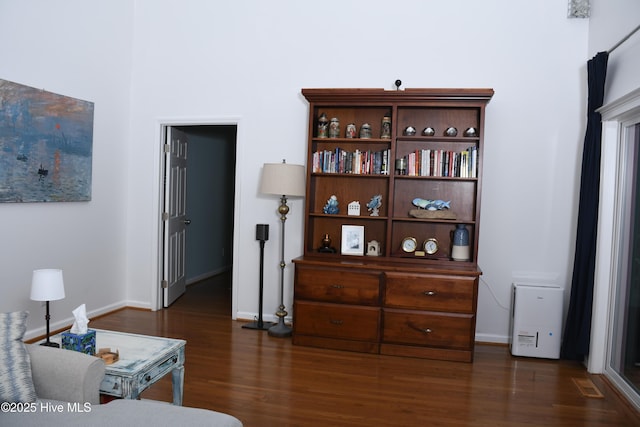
column 37, row 334
column 493, row 339
column 204, row 276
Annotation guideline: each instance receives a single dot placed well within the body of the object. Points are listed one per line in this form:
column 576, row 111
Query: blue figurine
column 332, row 206
column 431, row 205
column 374, row 205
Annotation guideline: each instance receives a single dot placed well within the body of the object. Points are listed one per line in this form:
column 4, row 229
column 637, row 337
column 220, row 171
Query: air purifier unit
column 536, row 320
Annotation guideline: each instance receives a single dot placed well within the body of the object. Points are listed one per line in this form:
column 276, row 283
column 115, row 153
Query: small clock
column 409, row 244
column 431, row 246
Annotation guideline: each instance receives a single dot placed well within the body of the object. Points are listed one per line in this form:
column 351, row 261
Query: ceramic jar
column 460, row 248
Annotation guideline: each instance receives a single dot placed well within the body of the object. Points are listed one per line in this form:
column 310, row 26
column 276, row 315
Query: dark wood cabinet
column 406, row 299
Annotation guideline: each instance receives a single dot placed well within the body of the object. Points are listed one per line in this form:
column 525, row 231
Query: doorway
column 207, row 249
column 623, row 365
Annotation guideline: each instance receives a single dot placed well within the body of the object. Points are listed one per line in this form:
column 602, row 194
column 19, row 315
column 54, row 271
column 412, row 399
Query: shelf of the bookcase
column 353, row 140
column 441, row 260
column 419, row 138
column 434, row 220
column 437, row 178
column 349, row 175
column 350, row 217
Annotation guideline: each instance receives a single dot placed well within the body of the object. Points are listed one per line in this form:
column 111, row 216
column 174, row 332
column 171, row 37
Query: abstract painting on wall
column 46, row 144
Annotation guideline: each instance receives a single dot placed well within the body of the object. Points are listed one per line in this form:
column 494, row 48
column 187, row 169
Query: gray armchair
column 69, row 381
column 67, row 376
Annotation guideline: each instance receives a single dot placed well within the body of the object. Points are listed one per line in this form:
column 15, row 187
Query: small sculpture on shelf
column 353, row 208
column 432, row 209
column 373, row 248
column 334, row 128
column 365, row 131
column 374, row 205
column 326, row 245
column 323, row 126
column 332, row 206
column 351, row 131
column 385, row 130
column 431, row 205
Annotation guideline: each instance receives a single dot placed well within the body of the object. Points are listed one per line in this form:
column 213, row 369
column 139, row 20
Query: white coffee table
column 144, row 359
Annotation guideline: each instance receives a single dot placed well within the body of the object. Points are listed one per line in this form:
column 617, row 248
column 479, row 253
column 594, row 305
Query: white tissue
column 79, row 327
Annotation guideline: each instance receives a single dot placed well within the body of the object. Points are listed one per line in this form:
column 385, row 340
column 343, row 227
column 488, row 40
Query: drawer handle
column 147, row 378
column 429, row 293
column 337, row 286
column 423, row 330
column 175, row 359
column 336, row 322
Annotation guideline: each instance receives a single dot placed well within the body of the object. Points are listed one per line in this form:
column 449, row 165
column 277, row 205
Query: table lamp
column 47, row 285
column 283, row 180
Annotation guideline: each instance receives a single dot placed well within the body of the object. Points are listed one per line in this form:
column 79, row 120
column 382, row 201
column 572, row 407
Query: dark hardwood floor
column 267, row 381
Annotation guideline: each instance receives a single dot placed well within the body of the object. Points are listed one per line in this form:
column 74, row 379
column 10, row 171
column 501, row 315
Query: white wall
column 610, row 22
column 82, row 50
column 245, row 62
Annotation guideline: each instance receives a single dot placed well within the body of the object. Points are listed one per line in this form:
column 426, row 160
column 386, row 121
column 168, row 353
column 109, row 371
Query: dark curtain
column 575, row 344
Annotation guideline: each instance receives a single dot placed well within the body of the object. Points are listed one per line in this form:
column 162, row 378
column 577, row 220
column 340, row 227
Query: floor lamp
column 47, row 285
column 284, row 180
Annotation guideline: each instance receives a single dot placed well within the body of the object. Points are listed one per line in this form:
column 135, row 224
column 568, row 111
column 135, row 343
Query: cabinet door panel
column 428, row 329
column 337, row 321
column 431, row 292
column 337, row 286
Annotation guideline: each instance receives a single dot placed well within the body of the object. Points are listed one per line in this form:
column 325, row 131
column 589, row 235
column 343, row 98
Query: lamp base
column 261, row 326
column 50, row 344
column 280, row 330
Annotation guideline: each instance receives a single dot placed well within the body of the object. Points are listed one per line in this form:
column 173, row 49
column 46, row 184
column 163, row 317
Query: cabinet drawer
column 429, row 329
column 337, row 321
column 431, row 292
column 158, row 371
column 338, row 286
column 112, row 385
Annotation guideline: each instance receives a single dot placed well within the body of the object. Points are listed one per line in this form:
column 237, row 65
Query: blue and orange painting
column 46, row 143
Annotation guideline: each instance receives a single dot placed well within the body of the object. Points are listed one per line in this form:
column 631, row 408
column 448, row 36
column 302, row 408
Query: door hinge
column 165, row 216
column 167, row 148
column 164, row 284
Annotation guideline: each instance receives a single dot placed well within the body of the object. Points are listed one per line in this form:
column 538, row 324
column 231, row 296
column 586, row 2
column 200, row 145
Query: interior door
column 174, row 216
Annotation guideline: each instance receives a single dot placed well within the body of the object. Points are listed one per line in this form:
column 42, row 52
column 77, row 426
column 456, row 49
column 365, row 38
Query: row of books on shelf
column 459, row 164
column 352, row 162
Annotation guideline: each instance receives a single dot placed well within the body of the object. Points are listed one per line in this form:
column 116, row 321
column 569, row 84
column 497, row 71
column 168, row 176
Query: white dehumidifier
column 536, row 321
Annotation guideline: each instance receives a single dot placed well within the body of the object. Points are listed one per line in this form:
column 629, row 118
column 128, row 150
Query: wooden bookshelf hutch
column 402, row 302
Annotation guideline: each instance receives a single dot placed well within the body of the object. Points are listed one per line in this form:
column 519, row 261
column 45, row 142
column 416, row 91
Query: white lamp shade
column 47, row 285
column 283, row 179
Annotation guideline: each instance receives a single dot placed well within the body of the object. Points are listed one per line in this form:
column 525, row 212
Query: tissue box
column 85, row 343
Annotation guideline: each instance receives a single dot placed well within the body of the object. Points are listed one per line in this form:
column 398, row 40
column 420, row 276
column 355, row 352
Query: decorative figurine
column 350, row 131
column 373, row 248
column 334, row 128
column 385, row 131
column 354, row 208
column 332, row 206
column 431, row 205
column 374, row 205
column 365, row 131
column 470, row 132
column 323, row 126
column 409, row 131
column 428, row 131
